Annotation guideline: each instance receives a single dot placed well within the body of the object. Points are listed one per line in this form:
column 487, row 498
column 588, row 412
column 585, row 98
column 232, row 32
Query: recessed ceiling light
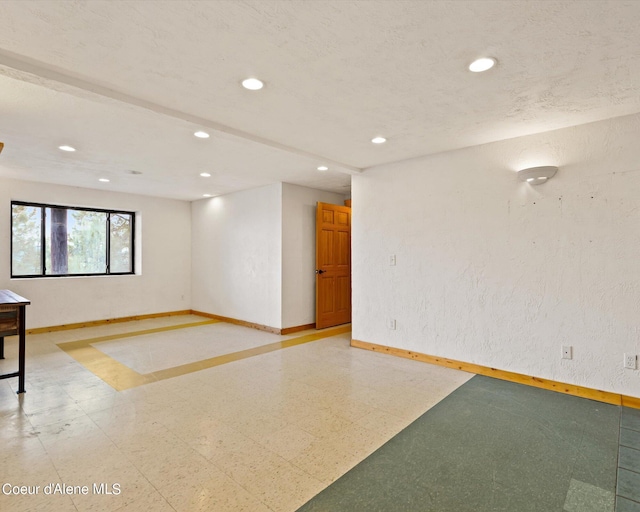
column 323, row 168
column 378, row 140
column 206, row 195
column 253, row 84
column 202, row 135
column 482, row 64
column 205, row 174
column 104, row 180
column 66, row 148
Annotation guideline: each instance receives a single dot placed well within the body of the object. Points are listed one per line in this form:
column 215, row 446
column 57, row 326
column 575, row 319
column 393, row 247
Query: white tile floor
column 159, row 351
column 265, row 433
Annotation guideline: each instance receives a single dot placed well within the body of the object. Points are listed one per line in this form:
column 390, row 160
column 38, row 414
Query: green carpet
column 490, row 446
column 628, row 489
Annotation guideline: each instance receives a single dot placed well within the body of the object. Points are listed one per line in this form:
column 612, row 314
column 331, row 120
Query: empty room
column 320, row 255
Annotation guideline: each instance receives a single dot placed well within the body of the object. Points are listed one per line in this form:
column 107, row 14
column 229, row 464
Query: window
column 49, row 240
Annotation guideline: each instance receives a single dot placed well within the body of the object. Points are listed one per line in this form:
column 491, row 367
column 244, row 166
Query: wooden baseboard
column 631, row 401
column 561, row 387
column 297, row 328
column 93, row 323
column 235, row 321
column 253, row 325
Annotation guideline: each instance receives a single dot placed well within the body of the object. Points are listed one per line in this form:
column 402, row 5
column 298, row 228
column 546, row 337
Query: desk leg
column 22, row 349
column 1, row 347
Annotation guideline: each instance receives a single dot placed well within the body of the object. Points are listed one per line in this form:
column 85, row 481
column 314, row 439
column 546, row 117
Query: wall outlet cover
column 630, row 361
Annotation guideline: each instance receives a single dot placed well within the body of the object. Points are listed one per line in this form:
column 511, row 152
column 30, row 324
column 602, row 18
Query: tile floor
column 263, row 433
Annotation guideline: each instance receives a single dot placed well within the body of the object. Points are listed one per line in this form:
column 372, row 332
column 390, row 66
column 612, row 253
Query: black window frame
column 107, row 272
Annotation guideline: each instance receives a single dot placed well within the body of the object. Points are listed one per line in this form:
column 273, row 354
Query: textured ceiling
column 127, row 83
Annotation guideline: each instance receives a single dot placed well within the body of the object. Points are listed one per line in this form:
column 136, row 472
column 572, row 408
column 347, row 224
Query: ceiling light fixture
column 66, row 148
column 206, row 195
column 103, row 180
column 378, row 140
column 482, row 64
column 323, row 168
column 201, row 135
column 205, row 175
column 253, row 84
column 537, row 175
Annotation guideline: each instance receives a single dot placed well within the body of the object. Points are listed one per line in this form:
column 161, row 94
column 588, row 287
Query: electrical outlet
column 392, row 260
column 567, row 352
column 630, row 361
column 391, row 324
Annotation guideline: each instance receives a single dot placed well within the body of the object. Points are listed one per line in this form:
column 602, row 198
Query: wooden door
column 333, row 265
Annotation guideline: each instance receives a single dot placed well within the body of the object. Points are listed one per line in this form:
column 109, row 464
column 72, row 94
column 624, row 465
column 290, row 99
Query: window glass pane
column 76, row 241
column 55, row 241
column 47, row 241
column 120, row 243
column 26, row 239
column 87, row 242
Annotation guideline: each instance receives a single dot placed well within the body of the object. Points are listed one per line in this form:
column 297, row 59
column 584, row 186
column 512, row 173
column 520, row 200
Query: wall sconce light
column 537, row 175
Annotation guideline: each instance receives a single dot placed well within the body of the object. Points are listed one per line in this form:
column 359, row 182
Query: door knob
column 320, row 271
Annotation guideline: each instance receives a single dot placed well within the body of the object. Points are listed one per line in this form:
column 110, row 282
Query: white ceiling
column 127, row 84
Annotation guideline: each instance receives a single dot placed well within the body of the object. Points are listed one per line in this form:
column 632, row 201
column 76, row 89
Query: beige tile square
column 326, row 461
column 153, row 502
column 322, row 423
column 257, row 426
column 43, row 417
column 289, row 442
column 382, row 421
column 274, row 481
column 228, row 447
column 36, row 503
column 218, row 493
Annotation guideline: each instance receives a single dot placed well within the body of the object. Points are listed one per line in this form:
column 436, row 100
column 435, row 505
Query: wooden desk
column 12, row 322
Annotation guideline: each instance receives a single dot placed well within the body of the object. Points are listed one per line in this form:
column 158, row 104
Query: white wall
column 299, row 251
column 165, row 245
column 237, row 257
column 496, row 272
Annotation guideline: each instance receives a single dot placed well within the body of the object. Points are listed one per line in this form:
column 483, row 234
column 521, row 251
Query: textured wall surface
column 163, row 257
column 493, row 271
column 237, row 255
column 299, row 252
